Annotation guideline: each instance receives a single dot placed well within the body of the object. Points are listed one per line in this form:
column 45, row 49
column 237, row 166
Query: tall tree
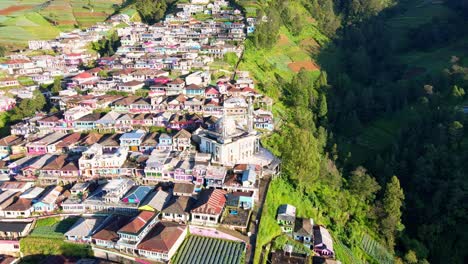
column 391, row 205
column 57, row 85
column 151, row 11
column 363, row 185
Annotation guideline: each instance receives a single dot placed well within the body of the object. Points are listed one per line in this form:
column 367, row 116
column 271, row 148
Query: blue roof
column 137, row 194
column 249, row 175
column 132, row 135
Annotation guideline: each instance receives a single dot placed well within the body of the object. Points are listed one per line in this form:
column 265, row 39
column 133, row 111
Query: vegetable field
column 205, row 250
column 375, row 250
column 52, row 227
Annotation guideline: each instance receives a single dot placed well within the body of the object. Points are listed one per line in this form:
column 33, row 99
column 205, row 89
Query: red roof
column 138, row 223
column 211, row 202
column 163, row 237
column 17, row 61
column 211, row 90
column 94, row 70
column 83, row 75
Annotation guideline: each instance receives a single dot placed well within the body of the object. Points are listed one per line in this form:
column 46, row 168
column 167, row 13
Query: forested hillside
column 373, row 138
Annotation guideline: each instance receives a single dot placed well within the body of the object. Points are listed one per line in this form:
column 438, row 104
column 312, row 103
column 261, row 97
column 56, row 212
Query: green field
column 206, row 250
column 52, row 227
column 23, row 20
column 47, row 239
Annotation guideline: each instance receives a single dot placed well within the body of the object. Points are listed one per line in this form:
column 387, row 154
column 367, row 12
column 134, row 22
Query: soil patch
column 283, row 40
column 12, row 9
column 309, row 44
column 307, row 65
column 66, row 22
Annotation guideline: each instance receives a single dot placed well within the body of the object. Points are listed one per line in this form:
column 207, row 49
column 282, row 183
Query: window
column 16, row 246
column 196, row 216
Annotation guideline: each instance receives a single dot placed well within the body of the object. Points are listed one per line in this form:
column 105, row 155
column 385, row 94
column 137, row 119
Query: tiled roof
column 19, row 205
column 183, row 134
column 163, row 237
column 109, row 232
column 210, row 202
column 138, row 223
column 178, row 205
column 83, row 75
column 186, row 188
column 56, row 164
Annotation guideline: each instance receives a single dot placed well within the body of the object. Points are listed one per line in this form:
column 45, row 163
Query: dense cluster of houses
column 120, row 214
column 145, row 144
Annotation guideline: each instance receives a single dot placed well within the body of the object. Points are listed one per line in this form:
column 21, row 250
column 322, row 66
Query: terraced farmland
column 23, row 20
column 206, row 250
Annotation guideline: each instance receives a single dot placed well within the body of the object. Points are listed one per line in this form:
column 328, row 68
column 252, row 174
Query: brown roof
column 138, row 223
column 183, row 134
column 178, row 205
column 92, row 138
column 19, row 205
column 163, row 237
column 127, row 100
column 184, row 188
column 51, row 118
column 304, row 226
column 56, row 164
column 91, row 117
column 11, row 139
column 132, row 83
column 177, row 81
column 110, row 231
column 194, row 87
column 69, row 140
column 150, row 139
column 70, row 166
column 210, row 201
column 110, row 140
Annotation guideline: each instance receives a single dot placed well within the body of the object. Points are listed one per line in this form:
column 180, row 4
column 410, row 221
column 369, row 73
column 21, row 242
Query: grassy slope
column 264, row 66
column 17, row 27
column 381, row 133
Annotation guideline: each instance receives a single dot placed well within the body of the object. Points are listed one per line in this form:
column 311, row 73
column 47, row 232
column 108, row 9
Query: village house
column 133, row 232
column 178, row 209
column 286, row 217
column 107, row 237
column 83, row 230
column 95, row 163
column 304, row 231
column 209, row 207
column 6, row 103
column 163, row 241
column 49, row 201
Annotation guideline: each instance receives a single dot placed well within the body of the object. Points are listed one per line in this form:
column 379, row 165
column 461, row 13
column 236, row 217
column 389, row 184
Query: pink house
column 82, row 78
column 211, row 92
column 6, row 103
